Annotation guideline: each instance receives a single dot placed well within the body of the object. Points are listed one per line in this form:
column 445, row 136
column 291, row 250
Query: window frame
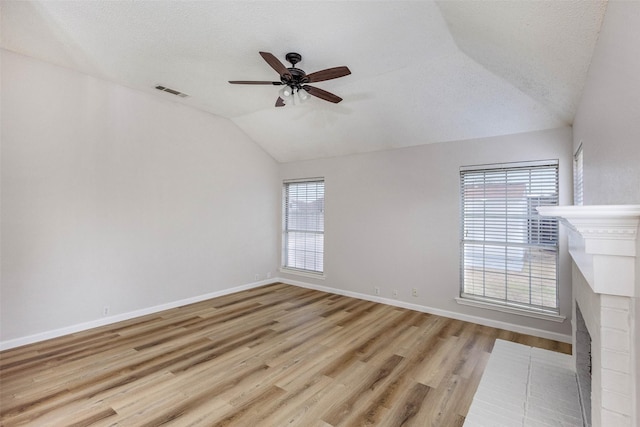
column 288, row 266
column 532, row 244
column 578, row 177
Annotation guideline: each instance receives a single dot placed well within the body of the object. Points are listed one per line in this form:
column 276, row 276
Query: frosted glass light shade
column 303, row 95
column 286, row 92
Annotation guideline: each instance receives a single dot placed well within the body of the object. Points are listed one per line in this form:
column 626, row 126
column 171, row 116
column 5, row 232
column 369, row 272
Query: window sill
column 304, row 273
column 512, row 310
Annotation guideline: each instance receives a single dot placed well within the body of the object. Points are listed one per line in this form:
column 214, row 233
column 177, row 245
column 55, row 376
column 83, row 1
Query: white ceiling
column 422, row 71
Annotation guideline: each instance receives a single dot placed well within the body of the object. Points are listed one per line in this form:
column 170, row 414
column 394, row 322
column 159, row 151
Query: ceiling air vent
column 172, row 91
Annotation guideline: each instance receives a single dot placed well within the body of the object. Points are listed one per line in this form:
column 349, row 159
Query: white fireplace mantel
column 603, row 242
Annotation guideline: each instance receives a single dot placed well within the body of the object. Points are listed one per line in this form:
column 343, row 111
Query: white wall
column 608, row 117
column 392, row 219
column 112, row 197
column 607, row 122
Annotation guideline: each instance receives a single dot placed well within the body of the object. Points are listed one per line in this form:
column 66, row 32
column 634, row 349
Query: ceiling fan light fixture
column 286, row 92
column 303, row 95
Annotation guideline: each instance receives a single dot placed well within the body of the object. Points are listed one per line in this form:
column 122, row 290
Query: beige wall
column 112, row 197
column 392, row 218
column 607, row 122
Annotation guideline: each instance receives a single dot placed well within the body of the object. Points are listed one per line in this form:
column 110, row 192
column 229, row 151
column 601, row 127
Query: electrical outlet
column 268, row 275
column 376, row 290
column 257, row 277
column 105, row 310
column 395, row 293
column 414, row 292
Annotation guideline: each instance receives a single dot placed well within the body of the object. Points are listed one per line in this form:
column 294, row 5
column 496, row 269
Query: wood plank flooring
column 271, row 356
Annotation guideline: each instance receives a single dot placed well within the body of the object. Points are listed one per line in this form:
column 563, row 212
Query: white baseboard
column 18, row 342
column 438, row 312
column 30, row 339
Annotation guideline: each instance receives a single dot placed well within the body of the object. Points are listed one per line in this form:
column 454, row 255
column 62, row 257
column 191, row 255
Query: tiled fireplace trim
column 608, row 321
column 604, row 244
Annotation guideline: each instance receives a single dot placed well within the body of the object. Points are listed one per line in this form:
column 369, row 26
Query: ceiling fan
column 295, row 80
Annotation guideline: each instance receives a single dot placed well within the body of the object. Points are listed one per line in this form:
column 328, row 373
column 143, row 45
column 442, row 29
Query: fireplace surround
column 605, row 248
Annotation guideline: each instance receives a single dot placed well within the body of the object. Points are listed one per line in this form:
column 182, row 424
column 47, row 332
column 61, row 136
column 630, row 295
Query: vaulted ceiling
column 422, row 71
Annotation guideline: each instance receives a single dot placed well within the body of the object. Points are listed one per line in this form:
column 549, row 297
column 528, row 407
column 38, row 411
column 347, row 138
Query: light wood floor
column 271, row 356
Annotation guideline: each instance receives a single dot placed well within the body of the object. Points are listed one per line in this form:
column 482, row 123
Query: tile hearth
column 526, row 386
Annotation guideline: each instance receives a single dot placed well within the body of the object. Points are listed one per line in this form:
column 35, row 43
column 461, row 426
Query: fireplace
column 605, row 248
column 582, row 350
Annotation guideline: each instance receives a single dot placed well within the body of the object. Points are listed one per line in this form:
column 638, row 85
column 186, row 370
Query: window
column 577, row 178
column 509, row 254
column 303, row 225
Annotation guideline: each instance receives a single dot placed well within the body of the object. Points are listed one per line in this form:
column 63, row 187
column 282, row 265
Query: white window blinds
column 303, row 225
column 509, row 253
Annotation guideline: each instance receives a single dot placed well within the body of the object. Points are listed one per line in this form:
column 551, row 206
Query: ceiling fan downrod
column 293, row 58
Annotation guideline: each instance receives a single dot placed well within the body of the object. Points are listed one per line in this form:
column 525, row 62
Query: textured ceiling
column 422, row 71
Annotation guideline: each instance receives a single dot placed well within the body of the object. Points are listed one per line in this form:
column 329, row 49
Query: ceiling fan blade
column 276, row 64
column 253, row 82
column 322, row 94
column 328, row 74
column 279, row 102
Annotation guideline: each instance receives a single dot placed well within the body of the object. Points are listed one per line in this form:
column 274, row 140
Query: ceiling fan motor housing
column 298, row 78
